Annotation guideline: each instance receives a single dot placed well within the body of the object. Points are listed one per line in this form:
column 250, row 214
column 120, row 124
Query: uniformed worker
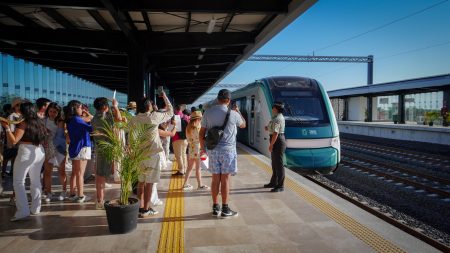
column 277, row 147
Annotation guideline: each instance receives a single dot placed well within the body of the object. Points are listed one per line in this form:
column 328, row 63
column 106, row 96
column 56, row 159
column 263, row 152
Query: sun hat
column 16, row 101
column 196, row 115
column 131, row 105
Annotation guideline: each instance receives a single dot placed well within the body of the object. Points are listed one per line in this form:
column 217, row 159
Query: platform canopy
column 185, row 45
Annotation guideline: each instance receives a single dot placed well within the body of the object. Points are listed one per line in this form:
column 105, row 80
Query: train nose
column 322, row 160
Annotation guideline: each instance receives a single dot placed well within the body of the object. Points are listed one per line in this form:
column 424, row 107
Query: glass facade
column 385, row 108
column 416, row 105
column 28, row 80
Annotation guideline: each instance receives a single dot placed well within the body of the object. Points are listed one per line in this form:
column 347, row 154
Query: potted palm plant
column 122, row 213
column 431, row 117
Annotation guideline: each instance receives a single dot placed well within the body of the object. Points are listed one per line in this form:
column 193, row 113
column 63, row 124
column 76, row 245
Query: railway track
column 406, row 156
column 410, row 189
column 436, row 242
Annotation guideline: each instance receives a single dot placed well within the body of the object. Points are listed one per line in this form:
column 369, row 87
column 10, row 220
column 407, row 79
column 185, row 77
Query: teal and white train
column 311, row 133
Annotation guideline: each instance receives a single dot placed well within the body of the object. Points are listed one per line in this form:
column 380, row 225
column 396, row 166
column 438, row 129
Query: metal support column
column 370, row 70
column 369, row 110
column 136, row 75
column 446, row 98
column 401, row 109
column 345, row 117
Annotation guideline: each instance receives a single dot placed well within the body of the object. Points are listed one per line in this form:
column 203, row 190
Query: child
column 104, row 168
column 192, row 131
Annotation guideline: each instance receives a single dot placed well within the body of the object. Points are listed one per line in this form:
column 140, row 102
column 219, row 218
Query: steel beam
column 218, row 6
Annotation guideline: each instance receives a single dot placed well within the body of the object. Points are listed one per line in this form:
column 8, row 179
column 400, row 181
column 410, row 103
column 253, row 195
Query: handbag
column 214, row 134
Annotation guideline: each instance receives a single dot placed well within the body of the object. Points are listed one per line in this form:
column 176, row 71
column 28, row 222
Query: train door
column 252, row 123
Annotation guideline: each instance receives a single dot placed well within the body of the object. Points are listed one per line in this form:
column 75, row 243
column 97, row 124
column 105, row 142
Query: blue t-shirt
column 79, row 135
column 215, row 116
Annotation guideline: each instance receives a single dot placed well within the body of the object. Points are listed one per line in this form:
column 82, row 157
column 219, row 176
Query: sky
column 408, row 39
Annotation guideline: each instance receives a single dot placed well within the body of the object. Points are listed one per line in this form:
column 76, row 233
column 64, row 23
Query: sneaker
column 277, row 189
column 187, row 187
column 149, row 212
column 158, row 203
column 227, row 213
column 62, row 196
column 81, row 199
column 269, row 185
column 73, row 198
column 203, row 187
column 35, row 213
column 100, row 205
column 108, row 185
column 216, row 210
column 48, row 198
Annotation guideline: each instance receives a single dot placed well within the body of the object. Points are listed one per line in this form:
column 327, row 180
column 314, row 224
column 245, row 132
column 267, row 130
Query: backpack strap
column 226, row 119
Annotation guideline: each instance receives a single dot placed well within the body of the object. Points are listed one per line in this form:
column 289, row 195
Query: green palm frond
column 130, row 155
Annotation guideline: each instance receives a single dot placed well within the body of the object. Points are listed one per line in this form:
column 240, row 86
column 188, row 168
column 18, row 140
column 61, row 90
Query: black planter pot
column 122, row 219
column 430, row 123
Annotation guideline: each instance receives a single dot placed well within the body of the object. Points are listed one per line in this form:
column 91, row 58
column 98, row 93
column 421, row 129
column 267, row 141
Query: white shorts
column 151, row 168
column 85, row 154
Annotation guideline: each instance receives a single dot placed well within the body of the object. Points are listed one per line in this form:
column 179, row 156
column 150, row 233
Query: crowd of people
column 39, row 137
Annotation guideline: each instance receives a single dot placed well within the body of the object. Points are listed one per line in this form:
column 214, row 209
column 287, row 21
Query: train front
column 312, row 134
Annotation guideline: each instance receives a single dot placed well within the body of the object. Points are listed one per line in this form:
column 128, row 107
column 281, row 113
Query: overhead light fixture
column 10, row 42
column 44, row 20
column 200, row 56
column 94, row 55
column 195, row 73
column 32, row 51
column 203, row 49
column 197, row 66
column 211, row 25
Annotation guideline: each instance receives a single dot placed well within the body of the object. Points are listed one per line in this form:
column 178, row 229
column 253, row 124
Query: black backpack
column 182, row 134
column 214, row 134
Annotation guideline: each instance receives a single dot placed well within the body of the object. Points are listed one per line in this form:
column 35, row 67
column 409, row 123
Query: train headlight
column 336, row 143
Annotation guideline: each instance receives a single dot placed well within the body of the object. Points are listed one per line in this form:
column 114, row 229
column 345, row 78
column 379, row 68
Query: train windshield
column 304, row 106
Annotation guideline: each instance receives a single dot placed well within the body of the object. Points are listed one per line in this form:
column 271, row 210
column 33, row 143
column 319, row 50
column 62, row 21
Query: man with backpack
column 179, row 142
column 221, row 122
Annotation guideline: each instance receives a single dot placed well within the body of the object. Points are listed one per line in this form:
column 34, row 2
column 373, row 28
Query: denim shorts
column 221, row 162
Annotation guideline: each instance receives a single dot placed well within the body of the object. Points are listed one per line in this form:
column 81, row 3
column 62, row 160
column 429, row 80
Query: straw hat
column 196, row 115
column 131, row 105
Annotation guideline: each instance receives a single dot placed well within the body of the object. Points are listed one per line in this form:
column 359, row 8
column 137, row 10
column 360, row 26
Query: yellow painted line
column 172, row 232
column 365, row 234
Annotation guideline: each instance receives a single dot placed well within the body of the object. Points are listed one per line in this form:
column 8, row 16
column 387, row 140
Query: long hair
column 35, row 127
column 190, row 128
column 56, row 107
column 71, row 110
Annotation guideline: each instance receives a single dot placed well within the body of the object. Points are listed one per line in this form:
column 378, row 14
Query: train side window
column 252, row 108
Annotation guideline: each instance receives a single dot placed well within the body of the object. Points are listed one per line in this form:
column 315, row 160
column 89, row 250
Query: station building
column 405, row 102
column 21, row 78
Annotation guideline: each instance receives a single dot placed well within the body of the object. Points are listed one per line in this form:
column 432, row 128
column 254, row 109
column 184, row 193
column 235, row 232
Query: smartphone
column 160, row 90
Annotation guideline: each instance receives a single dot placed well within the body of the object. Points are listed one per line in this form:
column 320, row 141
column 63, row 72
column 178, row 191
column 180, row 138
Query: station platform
column 408, row 132
column 303, row 218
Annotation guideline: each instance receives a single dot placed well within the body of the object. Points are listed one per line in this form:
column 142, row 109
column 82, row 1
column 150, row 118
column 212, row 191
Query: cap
column 279, row 104
column 131, row 105
column 196, row 115
column 224, row 94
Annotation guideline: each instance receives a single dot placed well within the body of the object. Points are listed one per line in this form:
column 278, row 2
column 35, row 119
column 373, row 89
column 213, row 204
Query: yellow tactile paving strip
column 368, row 236
column 172, row 231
